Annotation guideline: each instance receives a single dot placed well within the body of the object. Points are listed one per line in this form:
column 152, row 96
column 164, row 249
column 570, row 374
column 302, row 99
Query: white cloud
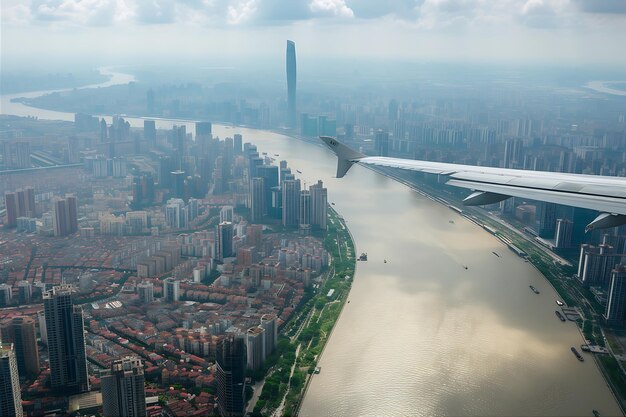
column 241, row 12
column 337, row 8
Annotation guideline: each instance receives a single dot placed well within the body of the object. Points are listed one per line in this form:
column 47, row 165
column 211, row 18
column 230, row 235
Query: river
column 422, row 335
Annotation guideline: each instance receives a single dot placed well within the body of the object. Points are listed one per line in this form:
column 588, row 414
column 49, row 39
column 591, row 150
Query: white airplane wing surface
column 490, row 185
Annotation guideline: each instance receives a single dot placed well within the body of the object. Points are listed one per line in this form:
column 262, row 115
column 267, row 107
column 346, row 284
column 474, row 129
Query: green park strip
column 288, row 371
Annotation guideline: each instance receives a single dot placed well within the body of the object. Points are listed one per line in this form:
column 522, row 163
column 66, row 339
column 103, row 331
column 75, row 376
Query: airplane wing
column 491, row 185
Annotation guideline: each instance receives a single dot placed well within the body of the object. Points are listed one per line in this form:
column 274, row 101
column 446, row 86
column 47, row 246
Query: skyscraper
column 123, row 389
column 305, row 209
column 12, row 210
column 268, row 322
column 512, row 153
column 291, row 84
column 255, row 346
column 257, row 199
column 65, row 218
column 66, row 341
column 381, row 141
column 21, row 332
column 6, row 295
column 269, row 173
column 24, row 292
column 230, row 375
column 204, row 129
column 149, row 132
column 319, row 205
column 546, row 219
column 291, row 203
column 237, row 143
column 223, row 241
column 563, row 236
column 615, row 313
column 10, row 397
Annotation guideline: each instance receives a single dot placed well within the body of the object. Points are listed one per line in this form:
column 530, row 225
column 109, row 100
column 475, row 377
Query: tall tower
column 319, row 205
column 231, row 375
column 21, row 332
column 291, row 83
column 123, row 389
column 291, row 203
column 305, row 209
column 257, row 199
column 66, row 341
column 10, row 397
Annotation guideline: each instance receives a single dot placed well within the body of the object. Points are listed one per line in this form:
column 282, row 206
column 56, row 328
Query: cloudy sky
column 115, row 31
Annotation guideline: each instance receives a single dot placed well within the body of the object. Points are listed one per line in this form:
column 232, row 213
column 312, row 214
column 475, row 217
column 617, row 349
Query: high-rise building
column 65, row 216
column 268, row 323
column 512, row 153
column 123, row 389
column 231, row 375
column 21, row 332
column 10, row 396
column 563, row 236
column 24, row 292
column 43, row 333
column 596, row 263
column 66, row 341
column 615, row 313
column 178, row 183
column 255, row 345
column 291, row 84
column 17, row 154
column 305, row 209
column 6, row 295
column 23, row 203
column 546, row 219
column 171, row 290
column 174, row 214
column 204, row 129
column 223, row 241
column 145, row 290
column 381, row 141
column 319, row 205
column 257, row 199
column 149, row 132
column 269, row 173
column 237, row 143
column 12, row 209
column 291, row 203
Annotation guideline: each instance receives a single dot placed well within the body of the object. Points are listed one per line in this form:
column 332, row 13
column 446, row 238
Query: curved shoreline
column 349, row 231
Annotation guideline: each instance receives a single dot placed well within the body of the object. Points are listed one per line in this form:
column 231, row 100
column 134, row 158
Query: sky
column 554, row 32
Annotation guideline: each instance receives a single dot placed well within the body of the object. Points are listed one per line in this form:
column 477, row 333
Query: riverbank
column 305, row 336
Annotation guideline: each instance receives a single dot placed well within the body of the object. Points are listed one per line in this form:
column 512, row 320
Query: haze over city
column 555, row 32
column 318, row 207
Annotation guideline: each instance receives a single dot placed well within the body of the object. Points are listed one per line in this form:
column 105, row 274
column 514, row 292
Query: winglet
column 345, row 156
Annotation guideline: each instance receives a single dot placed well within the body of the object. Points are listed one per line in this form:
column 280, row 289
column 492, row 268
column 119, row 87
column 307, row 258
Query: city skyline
column 176, row 241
